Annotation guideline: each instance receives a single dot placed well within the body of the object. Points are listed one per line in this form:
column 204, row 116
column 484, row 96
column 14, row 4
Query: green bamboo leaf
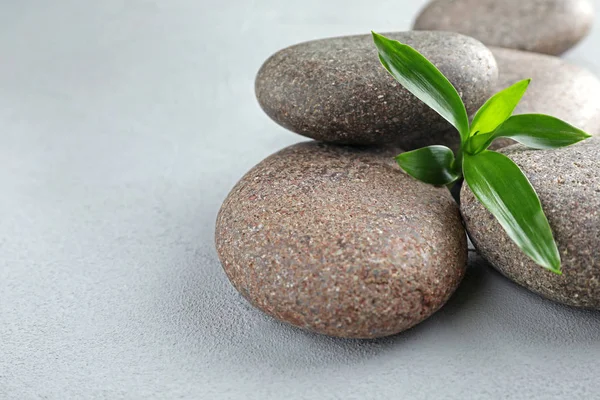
column 434, row 165
column 424, row 80
column 505, row 191
column 534, row 130
column 498, row 108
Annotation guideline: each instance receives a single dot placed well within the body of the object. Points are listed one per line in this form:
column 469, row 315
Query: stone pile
column 331, row 236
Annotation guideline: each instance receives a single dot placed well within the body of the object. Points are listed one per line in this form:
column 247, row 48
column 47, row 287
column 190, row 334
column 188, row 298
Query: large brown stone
column 335, row 90
column 568, row 183
column 541, row 26
column 339, row 241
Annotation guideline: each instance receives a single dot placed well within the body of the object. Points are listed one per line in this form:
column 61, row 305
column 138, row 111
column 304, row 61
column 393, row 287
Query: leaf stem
column 458, row 160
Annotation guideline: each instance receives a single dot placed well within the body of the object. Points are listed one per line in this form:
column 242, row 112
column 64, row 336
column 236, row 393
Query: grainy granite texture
column 558, row 88
column 568, row 184
column 335, row 90
column 339, row 241
column 541, row 26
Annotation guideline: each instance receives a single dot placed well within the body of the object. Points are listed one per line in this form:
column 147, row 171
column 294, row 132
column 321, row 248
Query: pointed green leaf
column 505, row 191
column 433, row 165
column 498, row 108
column 424, row 80
column 534, row 130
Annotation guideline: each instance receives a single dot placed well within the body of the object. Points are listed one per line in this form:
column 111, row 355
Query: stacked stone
column 331, row 236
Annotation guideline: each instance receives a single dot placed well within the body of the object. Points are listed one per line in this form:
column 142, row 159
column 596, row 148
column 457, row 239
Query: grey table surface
column 124, row 124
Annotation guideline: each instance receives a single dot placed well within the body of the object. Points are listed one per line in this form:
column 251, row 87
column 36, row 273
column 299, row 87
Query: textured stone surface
column 558, row 88
column 339, row 241
column 542, row 26
column 336, row 90
column 568, row 183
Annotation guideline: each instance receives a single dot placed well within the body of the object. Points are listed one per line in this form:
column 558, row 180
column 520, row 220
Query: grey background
column 123, row 126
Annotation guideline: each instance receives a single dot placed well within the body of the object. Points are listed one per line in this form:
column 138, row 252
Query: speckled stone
column 568, row 183
column 541, row 26
column 339, row 241
column 560, row 89
column 335, row 90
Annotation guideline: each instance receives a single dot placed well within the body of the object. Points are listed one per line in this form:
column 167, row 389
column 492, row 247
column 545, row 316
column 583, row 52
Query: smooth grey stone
column 567, row 181
column 335, row 90
column 542, row 26
column 339, row 241
column 557, row 88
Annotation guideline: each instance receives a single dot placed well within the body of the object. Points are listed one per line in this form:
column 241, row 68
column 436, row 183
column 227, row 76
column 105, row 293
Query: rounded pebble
column 336, row 90
column 339, row 241
column 567, row 181
column 541, row 26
